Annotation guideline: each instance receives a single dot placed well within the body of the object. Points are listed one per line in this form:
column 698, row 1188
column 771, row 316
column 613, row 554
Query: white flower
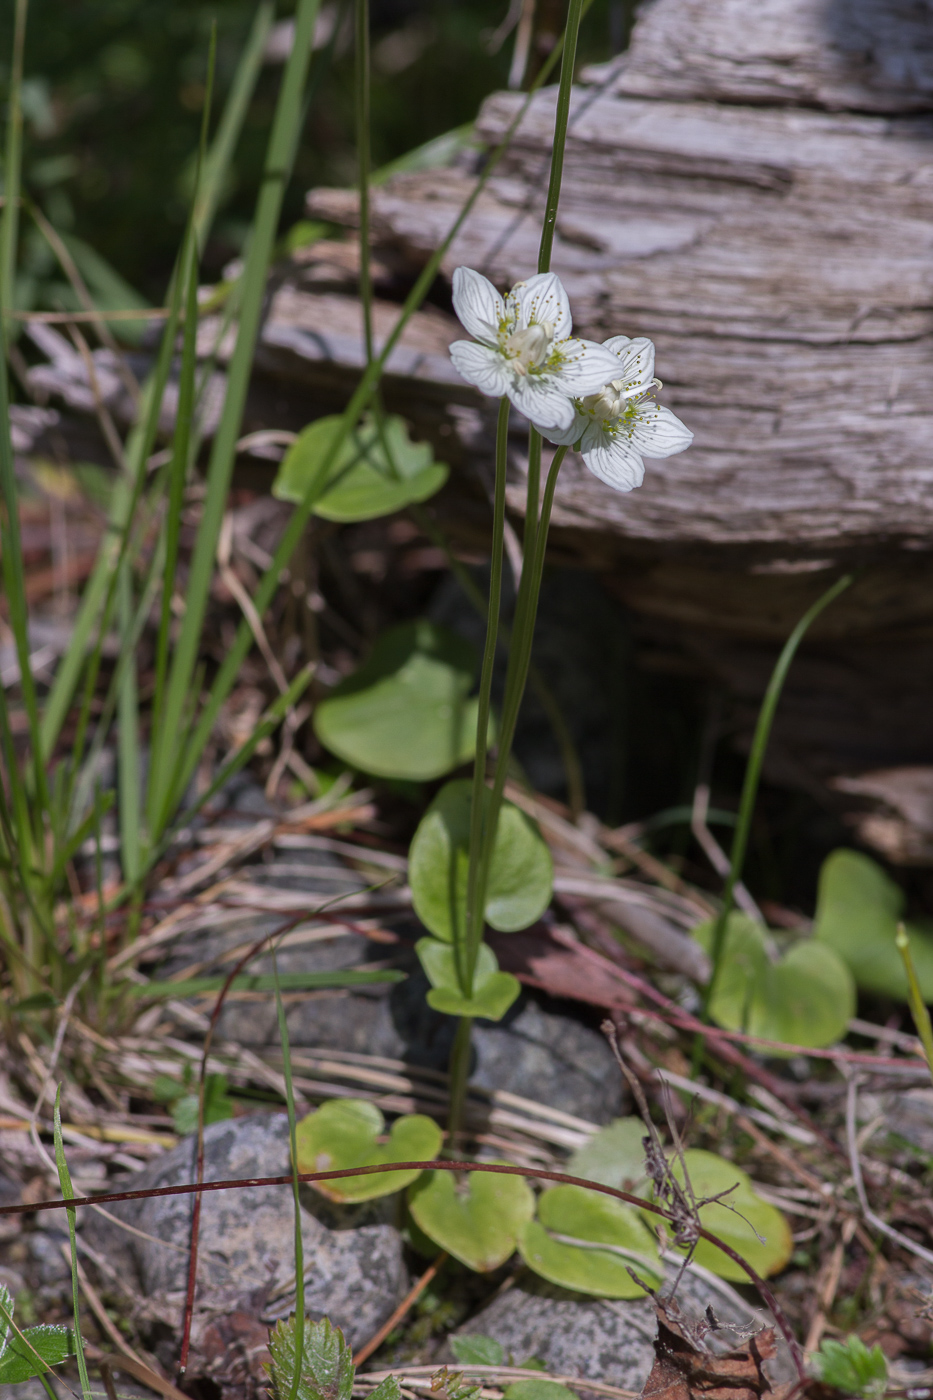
column 523, row 346
column 620, row 425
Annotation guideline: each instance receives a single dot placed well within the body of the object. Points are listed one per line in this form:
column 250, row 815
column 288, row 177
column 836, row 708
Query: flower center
column 616, row 401
column 528, row 349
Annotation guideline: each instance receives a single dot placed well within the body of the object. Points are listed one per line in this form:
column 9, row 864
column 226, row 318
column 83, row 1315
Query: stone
column 353, row 1263
column 534, row 1051
column 600, row 1339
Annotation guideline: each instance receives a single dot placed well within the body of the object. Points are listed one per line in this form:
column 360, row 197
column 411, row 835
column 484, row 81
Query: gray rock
column 597, row 1338
column 533, row 1052
column 353, row 1265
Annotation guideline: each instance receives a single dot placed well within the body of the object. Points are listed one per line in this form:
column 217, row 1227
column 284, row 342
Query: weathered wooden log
column 752, row 187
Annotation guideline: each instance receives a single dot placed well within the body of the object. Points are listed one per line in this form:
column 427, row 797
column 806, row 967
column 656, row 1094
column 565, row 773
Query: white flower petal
column 586, row 367
column 656, row 432
column 482, row 366
column 542, row 298
column 477, row 303
column 543, row 400
column 565, row 437
column 637, row 358
column 617, row 464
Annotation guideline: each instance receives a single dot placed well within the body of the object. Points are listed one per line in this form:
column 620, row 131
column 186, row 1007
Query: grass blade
column 217, row 163
column 282, row 144
column 130, row 812
column 64, row 1181
column 12, row 168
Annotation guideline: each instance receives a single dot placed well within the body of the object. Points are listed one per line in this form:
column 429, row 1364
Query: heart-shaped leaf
column 376, row 471
column 477, row 1217
column 405, row 713
column 857, row 913
column 808, row 998
column 615, row 1156
column 520, row 876
column 754, row 1228
column 588, row 1242
column 343, row 1133
column 493, row 991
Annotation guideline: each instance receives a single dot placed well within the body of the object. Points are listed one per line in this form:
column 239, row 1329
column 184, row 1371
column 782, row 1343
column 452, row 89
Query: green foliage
column 538, row 1390
column 376, row 470
column 476, row 1217
column 857, row 912
column 520, row 876
column 405, row 713
column 183, row 1097
column 343, row 1133
column 808, row 998
column 849, row 1366
column 615, row 1156
column 326, row 1362
column 477, row 1350
column 493, row 991
column 588, row 1242
column 30, row 1351
column 754, row 1228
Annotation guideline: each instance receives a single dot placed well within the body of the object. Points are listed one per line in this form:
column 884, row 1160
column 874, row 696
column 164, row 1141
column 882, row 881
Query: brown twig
column 376, row 1340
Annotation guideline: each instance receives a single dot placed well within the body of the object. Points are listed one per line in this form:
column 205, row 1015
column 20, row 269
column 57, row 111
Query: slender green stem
column 364, row 162
column 475, row 895
column 753, row 774
column 532, row 493
column 918, row 1008
column 64, row 1181
column 459, row 1075
column 12, row 166
column 575, row 11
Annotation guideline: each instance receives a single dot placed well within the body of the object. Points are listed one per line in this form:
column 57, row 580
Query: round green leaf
column 807, row 998
column 754, row 1228
column 520, row 876
column 343, row 1133
column 857, row 913
column 588, row 1242
column 615, row 1156
column 477, row 1217
column 493, row 991
column 405, row 713
column 375, row 473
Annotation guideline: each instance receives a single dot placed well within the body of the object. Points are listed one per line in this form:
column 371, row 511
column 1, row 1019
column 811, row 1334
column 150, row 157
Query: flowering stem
column 750, row 787
column 361, row 84
column 561, row 119
column 475, row 895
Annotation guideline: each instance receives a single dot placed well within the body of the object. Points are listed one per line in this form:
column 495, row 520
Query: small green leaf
column 19, row 1361
column 217, row 1106
column 476, row 1350
column 343, row 1133
column 588, row 1242
column 849, row 1366
column 808, row 998
column 405, row 713
column 476, row 1218
column 387, row 1389
column 520, row 876
column 493, row 991
column 538, row 1390
column 326, row 1362
column 375, row 473
column 615, row 1156
column 754, row 1228
column 857, row 912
